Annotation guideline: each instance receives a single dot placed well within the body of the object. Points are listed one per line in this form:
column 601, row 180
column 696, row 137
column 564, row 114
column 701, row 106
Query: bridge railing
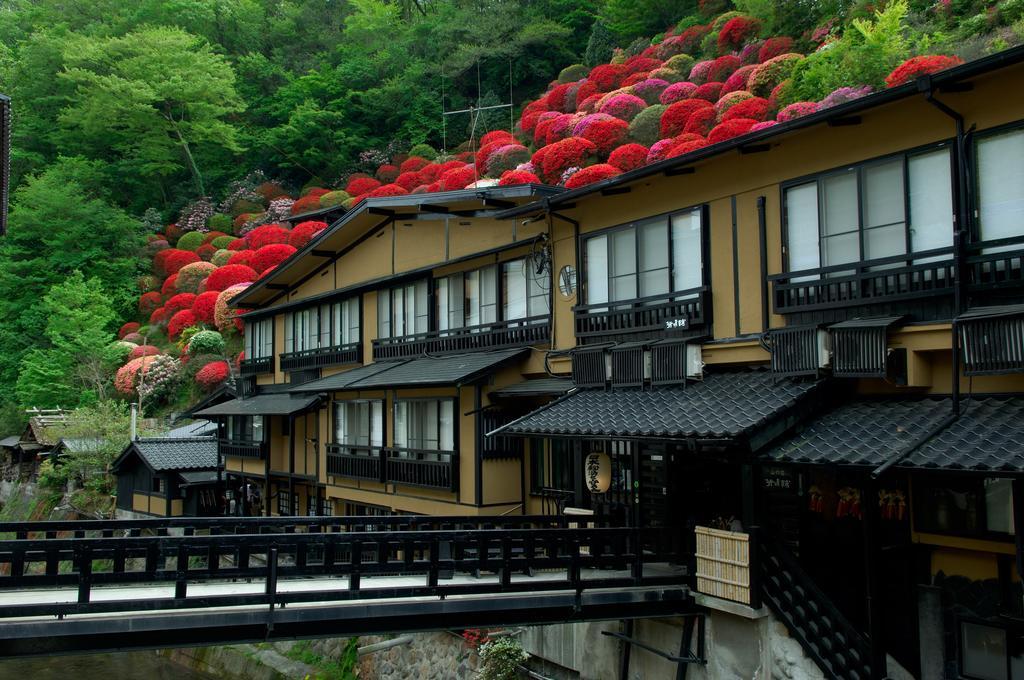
column 188, row 526
column 438, row 563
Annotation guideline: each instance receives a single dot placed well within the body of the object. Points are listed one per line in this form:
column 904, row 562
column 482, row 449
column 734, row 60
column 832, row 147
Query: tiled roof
column 723, row 406
column 184, row 453
column 78, row 445
column 10, row 442
column 341, row 381
column 279, row 404
column 452, row 369
column 540, row 387
column 988, row 435
column 199, row 428
column 202, row 477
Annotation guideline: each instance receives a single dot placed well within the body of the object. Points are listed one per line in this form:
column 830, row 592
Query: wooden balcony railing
column 1001, row 267
column 256, row 366
column 681, row 311
column 242, row 449
column 321, row 357
column 514, row 333
column 355, row 462
column 422, row 467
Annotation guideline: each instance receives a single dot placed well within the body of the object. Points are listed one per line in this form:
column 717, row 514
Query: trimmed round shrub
column 650, row 90
column 265, row 235
column 270, row 190
column 387, row 190
column 333, row 198
column 505, row 158
column 572, row 73
column 243, row 206
column 225, row 317
column 409, row 180
column 211, row 235
column 659, row 150
column 607, row 77
column 178, row 302
column 628, row 156
column 503, row 136
column 206, row 342
column 781, row 93
column 179, row 322
column 126, row 376
column 238, row 244
column 204, row 304
column 220, row 222
column 592, row 174
column 701, row 122
column 158, row 316
column 722, row 68
column 772, row 72
column 191, row 240
column 513, row 177
column 130, row 327
column 606, row 134
column 738, row 80
column 144, row 351
column 361, row 185
column 241, row 257
column 681, row 63
column 796, row 110
column 170, row 285
column 646, row 127
column 733, row 127
column 585, row 122
column 916, row 67
column 303, row 233
column 206, row 252
column 457, row 178
column 233, row 274
column 756, row 108
column 730, row 100
column 763, row 125
column 774, row 47
column 271, row 256
column 423, row 151
column 306, row 204
column 150, row 301
column 668, row 75
column 683, row 148
column 675, row 117
column 623, row 106
column 843, row 95
column 135, row 338
column 191, row 275
column 710, row 92
column 154, row 247
column 387, row 173
column 699, row 72
column 737, row 31
column 147, row 283
column 221, row 241
column 748, row 55
column 212, row 374
column 560, row 156
column 173, row 232
column 486, row 150
column 176, row 259
column 677, row 92
column 222, row 257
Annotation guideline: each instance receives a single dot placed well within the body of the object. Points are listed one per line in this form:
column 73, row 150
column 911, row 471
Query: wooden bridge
column 86, row 586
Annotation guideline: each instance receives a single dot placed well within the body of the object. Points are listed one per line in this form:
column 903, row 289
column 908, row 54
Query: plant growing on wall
column 501, row 658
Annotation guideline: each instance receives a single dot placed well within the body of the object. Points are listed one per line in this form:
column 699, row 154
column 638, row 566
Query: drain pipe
column 962, row 217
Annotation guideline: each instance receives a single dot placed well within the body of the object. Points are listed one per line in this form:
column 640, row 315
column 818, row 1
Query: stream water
column 127, row 666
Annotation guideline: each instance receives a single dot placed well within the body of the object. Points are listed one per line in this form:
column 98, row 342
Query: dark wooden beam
column 499, row 203
column 614, row 191
column 844, row 121
column 374, row 210
column 430, row 207
column 956, row 87
column 322, row 253
column 755, row 148
column 675, row 172
column 276, row 286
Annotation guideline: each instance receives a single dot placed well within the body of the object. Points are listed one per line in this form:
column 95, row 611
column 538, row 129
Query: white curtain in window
column 340, row 422
column 538, row 287
column 931, row 201
column 399, row 326
column 597, row 269
column 446, row 438
column 472, row 294
column 443, row 307
column 514, row 284
column 267, row 331
column 623, row 264
column 401, row 424
column 885, row 232
column 687, row 250
column 802, row 227
column 325, row 326
column 257, row 428
column 489, row 294
column 376, row 423
column 383, row 314
column 1001, row 186
column 654, row 251
column 840, row 240
column 250, row 331
column 289, row 333
column 422, row 314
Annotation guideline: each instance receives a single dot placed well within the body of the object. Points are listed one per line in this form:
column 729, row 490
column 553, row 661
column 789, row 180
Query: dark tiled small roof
column 454, row 369
column 184, row 453
column 541, row 387
column 78, row 445
column 988, row 436
column 279, row 404
column 723, row 406
column 342, row 381
column 10, row 442
column 202, row 477
column 199, row 428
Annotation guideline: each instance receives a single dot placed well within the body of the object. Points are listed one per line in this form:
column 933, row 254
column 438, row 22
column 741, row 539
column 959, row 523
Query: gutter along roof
column 679, row 164
column 377, row 213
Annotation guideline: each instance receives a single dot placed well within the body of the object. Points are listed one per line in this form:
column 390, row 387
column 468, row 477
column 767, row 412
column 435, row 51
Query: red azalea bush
column 628, row 157
column 773, row 47
column 457, row 178
column 660, row 149
column 678, row 92
column 722, row 68
column 178, row 302
column 387, row 173
column 738, row 80
column 225, row 317
column 192, row 275
column 130, row 327
column 409, row 180
column 796, row 110
column 650, row 90
column 503, row 136
column 173, row 232
column 206, row 251
column 710, row 92
column 641, row 64
column 158, row 316
column 606, row 77
column 606, row 134
column 124, row 379
column 212, row 374
column 144, row 351
column 241, row 257
column 556, row 97
column 674, row 120
column 238, row 244
column 270, row 190
column 270, row 256
column 179, row 322
column 307, row 203
column 757, row 108
column 387, row 190
column 149, row 302
column 505, row 158
column 176, row 259
column 303, row 233
column 170, row 285
column 699, row 72
column 590, row 104
column 513, row 177
column 561, row 127
column 683, row 148
column 560, row 156
column 211, row 236
column 133, row 338
column 734, row 127
column 591, row 174
column 633, row 79
column 748, row 55
column 266, row 234
column 485, row 151
column 766, row 76
column 413, row 164
column 701, row 122
column 919, row 66
column 233, row 274
column 763, row 125
column 730, row 100
column 240, row 221
column 361, row 185
column 204, row 305
column 737, row 31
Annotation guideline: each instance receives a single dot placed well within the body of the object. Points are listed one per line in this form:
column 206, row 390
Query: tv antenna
column 474, row 110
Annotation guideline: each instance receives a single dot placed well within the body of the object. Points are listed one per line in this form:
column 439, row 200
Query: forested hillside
column 157, row 144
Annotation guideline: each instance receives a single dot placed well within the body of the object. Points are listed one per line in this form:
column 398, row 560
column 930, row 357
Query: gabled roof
column 748, row 405
column 372, row 213
column 10, row 442
column 277, row 404
column 987, row 436
column 163, row 454
column 81, row 444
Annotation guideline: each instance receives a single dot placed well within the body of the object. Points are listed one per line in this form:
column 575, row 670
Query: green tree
column 600, row 45
column 152, row 96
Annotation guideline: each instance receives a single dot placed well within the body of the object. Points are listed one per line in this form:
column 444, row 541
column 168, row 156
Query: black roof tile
column 184, row 453
column 451, row 369
column 342, row 381
column 276, row 404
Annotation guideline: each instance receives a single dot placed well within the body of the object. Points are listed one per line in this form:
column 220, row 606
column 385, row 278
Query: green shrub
column 501, row 658
column 243, row 206
column 206, row 342
column 599, row 46
column 221, row 257
column 191, row 240
column 220, row 222
column 222, row 242
column 332, row 198
column 423, row 151
column 570, row 74
column 681, row 62
column 645, row 127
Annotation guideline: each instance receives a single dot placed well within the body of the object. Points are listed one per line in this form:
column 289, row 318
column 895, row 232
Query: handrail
column 635, row 303
column 864, row 266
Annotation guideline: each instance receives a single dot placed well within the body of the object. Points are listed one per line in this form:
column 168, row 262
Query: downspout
column 762, row 232
column 962, row 218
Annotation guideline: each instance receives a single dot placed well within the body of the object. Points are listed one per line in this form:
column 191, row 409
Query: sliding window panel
column 514, row 285
column 1001, row 188
column 840, row 239
column 931, row 202
column 687, row 251
column 623, row 265
column 802, row 228
column 653, row 248
column 597, row 270
column 882, row 195
column 383, row 314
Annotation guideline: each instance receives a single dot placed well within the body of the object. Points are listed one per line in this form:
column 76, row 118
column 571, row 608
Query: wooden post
column 869, row 508
column 1018, row 522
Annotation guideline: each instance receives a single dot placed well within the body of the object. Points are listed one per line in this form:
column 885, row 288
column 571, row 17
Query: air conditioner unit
column 800, row 350
column 675, row 362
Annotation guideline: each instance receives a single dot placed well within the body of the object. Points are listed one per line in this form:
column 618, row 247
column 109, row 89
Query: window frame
column 334, row 331
column 958, row 634
column 358, row 449
column 256, row 334
column 425, row 400
column 582, row 278
column 247, row 426
column 389, row 291
column 922, row 483
column 974, row 186
column 904, row 155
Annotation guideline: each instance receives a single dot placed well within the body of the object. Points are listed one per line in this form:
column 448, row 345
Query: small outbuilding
column 168, row 477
